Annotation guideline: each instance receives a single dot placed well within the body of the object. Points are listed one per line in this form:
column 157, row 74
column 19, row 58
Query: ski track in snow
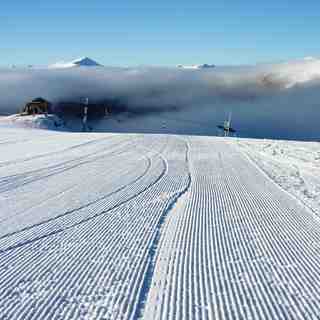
column 111, row 226
column 294, row 166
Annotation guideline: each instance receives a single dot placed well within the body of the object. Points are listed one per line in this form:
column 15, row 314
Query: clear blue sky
column 166, row 32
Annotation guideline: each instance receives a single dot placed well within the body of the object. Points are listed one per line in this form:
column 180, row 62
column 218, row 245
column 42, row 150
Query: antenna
column 85, row 114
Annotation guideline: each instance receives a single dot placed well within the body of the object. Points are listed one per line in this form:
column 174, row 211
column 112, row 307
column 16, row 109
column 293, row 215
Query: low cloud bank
column 140, row 87
column 265, row 100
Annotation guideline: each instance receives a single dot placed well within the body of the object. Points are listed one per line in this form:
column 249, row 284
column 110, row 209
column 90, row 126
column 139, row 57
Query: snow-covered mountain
column 197, row 66
column 81, row 62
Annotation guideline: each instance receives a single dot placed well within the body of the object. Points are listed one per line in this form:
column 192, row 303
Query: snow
column 40, row 121
column 294, row 166
column 157, row 226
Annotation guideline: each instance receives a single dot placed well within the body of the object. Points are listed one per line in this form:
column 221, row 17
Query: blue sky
column 128, row 32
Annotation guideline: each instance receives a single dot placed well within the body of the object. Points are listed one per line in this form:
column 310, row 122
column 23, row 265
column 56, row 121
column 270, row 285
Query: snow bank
column 275, row 101
column 40, row 121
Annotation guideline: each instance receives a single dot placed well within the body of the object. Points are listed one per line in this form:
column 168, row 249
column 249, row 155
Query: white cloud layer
column 262, row 98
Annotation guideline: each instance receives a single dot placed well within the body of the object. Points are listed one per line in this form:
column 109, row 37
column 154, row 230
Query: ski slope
column 133, row 226
column 294, row 166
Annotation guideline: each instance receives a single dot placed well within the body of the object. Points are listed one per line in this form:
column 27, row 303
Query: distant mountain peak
column 80, row 62
column 85, row 61
column 197, row 66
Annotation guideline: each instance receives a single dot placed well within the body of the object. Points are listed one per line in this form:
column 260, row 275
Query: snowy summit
column 81, row 62
column 197, row 66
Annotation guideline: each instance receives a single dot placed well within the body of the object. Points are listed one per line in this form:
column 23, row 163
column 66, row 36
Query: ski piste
column 130, row 226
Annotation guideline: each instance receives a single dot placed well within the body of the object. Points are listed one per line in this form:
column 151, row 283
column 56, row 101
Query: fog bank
column 266, row 101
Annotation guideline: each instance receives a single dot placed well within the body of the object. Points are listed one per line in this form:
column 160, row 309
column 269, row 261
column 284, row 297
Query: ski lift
column 226, row 127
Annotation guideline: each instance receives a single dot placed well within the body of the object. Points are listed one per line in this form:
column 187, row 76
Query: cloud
column 260, row 96
column 139, row 87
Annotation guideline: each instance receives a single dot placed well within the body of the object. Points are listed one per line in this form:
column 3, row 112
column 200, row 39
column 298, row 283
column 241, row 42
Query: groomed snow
column 129, row 226
column 295, row 166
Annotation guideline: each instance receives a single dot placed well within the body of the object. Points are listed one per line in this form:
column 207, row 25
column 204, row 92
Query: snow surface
column 39, row 121
column 294, row 166
column 129, row 226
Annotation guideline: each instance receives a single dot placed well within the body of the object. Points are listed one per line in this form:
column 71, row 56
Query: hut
column 36, row 106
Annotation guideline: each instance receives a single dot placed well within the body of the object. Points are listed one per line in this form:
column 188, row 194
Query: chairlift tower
column 226, row 127
column 85, row 115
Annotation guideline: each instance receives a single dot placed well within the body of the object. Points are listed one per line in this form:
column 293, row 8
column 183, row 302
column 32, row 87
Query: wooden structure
column 36, row 106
